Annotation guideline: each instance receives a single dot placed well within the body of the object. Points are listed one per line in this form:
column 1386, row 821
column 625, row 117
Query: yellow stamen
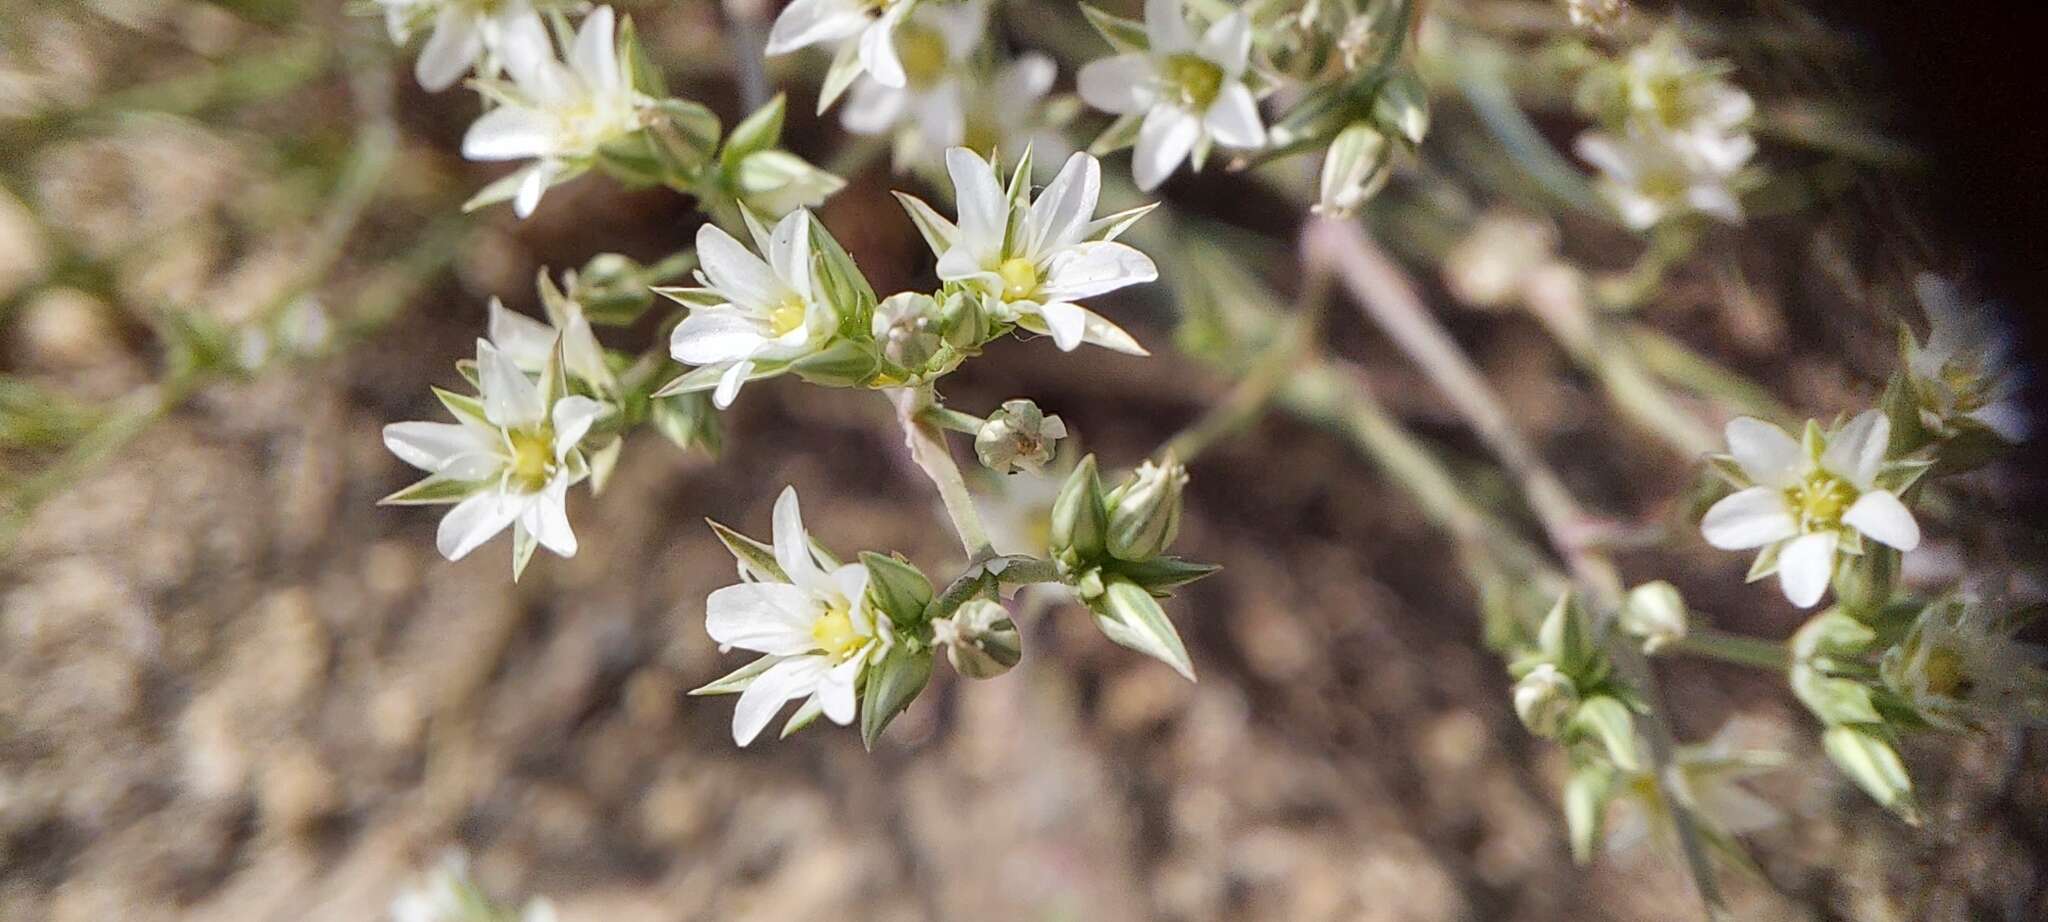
column 533, row 457
column 1194, row 79
column 786, row 316
column 834, row 634
column 1020, row 278
column 1820, row 500
column 923, row 53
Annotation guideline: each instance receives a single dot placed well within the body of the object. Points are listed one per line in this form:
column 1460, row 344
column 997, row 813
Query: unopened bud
column 612, row 289
column 1018, row 436
column 1545, row 699
column 1144, row 513
column 777, row 182
column 906, row 326
column 1079, row 520
column 980, row 639
column 1656, row 613
column 1402, row 107
column 964, row 320
column 1353, row 171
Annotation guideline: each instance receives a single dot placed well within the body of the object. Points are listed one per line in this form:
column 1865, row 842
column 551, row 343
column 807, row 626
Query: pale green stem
column 1280, row 361
column 928, row 449
column 1733, row 648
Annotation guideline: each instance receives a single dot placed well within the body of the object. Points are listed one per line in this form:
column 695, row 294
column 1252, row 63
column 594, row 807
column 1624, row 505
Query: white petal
column 1857, row 451
column 872, row 108
column 960, row 263
column 538, row 176
column 547, row 517
column 1117, row 85
column 790, row 678
column 1805, row 566
column 1765, row 452
column 835, row 690
column 850, row 582
column 1101, row 332
column 810, row 22
column 510, row 400
column 1228, row 43
column 450, row 51
column 984, row 210
column 522, row 42
column 793, row 546
column 572, row 417
column 729, row 384
column 764, row 617
column 449, row 449
column 1233, row 119
column 789, row 251
column 1061, row 214
column 595, row 54
column 1094, row 267
column 1066, row 322
column 708, row 337
column 1166, row 27
column 1882, row 518
column 878, row 48
column 474, row 521
column 735, row 272
column 524, row 340
column 1027, row 78
column 509, row 133
column 1164, row 140
column 1604, row 153
column 1749, row 518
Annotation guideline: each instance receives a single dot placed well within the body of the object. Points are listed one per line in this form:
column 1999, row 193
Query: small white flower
column 934, row 45
column 1709, row 776
column 530, row 344
column 1960, row 668
column 813, row 624
column 1648, row 178
column 1191, row 92
column 1033, row 262
column 1809, row 502
column 1966, row 367
column 508, row 460
column 749, row 310
column 870, row 24
column 467, row 34
column 558, row 114
column 1670, row 93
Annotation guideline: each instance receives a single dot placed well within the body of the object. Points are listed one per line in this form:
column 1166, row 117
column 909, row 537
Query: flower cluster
column 1673, row 134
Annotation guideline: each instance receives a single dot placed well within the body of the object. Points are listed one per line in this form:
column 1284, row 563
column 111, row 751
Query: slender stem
column 1272, row 368
column 952, row 420
column 928, row 449
column 1734, row 648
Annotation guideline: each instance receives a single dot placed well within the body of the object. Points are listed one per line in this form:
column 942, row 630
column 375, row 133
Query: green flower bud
column 1353, row 171
column 777, row 182
column 963, row 320
column 1144, row 514
column 980, row 639
column 1079, row 520
column 906, row 327
column 1018, row 436
column 1656, row 613
column 1545, row 700
column 1874, row 765
column 1402, row 107
column 612, row 289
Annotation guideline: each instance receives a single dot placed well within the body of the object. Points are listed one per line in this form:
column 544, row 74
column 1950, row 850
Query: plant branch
column 928, row 448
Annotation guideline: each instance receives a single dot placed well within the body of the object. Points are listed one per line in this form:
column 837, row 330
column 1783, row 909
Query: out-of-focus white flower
column 1961, row 668
column 1191, row 92
column 1033, row 262
column 1809, row 502
column 812, row 621
column 1966, row 368
column 558, row 114
column 1670, row 93
column 933, row 44
column 1648, row 178
column 467, row 34
column 531, row 344
column 871, row 25
column 447, row 894
column 1709, row 775
column 749, row 310
column 508, row 460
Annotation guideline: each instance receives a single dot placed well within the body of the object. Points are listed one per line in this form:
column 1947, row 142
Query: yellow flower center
column 834, row 634
column 1945, row 674
column 923, row 53
column 786, row 316
column 1193, row 79
column 1820, row 500
column 1020, row 278
column 533, row 456
column 982, row 134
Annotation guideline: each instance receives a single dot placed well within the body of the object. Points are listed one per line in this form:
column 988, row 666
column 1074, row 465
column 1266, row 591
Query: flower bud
column 612, row 289
column 906, row 327
column 1402, row 106
column 1018, row 436
column 980, row 639
column 1545, row 699
column 777, row 182
column 1353, row 171
column 1656, row 613
column 963, row 320
column 1144, row 513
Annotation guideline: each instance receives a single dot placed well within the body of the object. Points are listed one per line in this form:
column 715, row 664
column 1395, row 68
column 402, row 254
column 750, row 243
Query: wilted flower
column 1191, row 92
column 906, row 326
column 1018, row 436
column 811, row 619
column 508, row 460
column 1545, row 700
column 980, row 639
column 1032, row 262
column 479, row 34
column 1665, row 91
column 1808, row 502
column 1965, row 369
column 1709, row 777
column 749, row 310
column 1677, row 135
column 557, row 114
column 871, row 24
column 1961, row 668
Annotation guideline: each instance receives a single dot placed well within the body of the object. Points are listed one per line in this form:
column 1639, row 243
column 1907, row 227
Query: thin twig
column 928, row 449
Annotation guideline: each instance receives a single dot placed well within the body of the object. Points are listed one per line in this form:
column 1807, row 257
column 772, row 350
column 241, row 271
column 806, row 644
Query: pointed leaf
column 1130, row 616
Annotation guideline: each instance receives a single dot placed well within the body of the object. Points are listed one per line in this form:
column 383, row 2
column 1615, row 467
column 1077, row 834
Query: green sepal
column 845, row 363
column 1125, row 35
column 523, row 545
column 1161, row 574
column 1080, row 523
column 1130, row 616
column 803, row 717
column 1121, row 133
column 1605, row 719
column 901, row 590
column 753, row 556
column 640, row 68
column 736, row 681
column 465, row 408
column 844, row 70
column 1874, row 765
column 757, row 132
column 1585, row 807
column 892, row 682
column 435, row 491
column 688, row 420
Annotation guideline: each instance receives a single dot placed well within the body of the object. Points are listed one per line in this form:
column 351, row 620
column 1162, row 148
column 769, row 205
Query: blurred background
column 232, row 687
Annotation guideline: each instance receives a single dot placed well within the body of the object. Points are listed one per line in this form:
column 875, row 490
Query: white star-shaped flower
column 558, row 114
column 812, row 621
column 479, row 35
column 1807, row 503
column 1032, row 262
column 1191, row 92
column 870, row 25
column 1649, row 177
column 748, row 311
column 508, row 460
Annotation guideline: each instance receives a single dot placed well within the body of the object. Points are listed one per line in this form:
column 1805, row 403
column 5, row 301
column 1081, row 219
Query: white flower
column 1965, row 369
column 871, row 24
column 1960, row 668
column 812, row 621
column 1032, row 263
column 1809, row 502
column 530, row 344
column 1191, row 93
column 1708, row 776
column 508, row 460
column 467, row 34
column 1668, row 92
column 933, row 45
column 449, row 895
column 558, row 114
column 749, row 310
column 1649, row 178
